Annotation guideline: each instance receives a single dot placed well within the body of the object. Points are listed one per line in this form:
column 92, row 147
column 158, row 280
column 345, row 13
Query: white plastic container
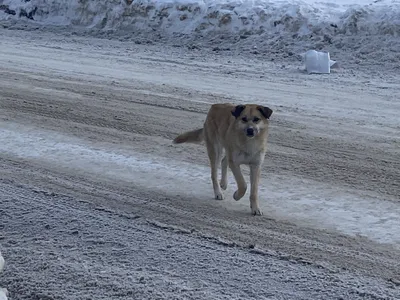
column 2, row 262
column 3, row 291
column 3, row 294
column 318, row 62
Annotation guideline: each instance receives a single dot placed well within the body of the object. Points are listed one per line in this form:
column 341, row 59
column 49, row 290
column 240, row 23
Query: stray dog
column 242, row 131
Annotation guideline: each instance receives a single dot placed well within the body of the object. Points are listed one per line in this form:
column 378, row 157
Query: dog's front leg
column 255, row 172
column 241, row 183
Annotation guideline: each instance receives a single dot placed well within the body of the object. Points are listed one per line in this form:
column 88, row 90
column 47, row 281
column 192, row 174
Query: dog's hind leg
column 214, row 154
column 224, row 173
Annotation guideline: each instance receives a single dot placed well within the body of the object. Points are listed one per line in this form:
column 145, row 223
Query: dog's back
column 216, row 125
column 218, row 122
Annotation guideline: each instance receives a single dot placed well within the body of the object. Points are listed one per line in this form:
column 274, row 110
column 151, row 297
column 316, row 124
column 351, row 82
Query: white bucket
column 2, row 262
column 318, row 62
column 3, row 291
column 3, row 294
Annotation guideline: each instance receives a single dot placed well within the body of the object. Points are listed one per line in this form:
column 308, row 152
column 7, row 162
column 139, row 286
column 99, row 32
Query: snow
column 304, row 201
column 358, row 32
column 368, row 28
column 99, row 256
column 189, row 16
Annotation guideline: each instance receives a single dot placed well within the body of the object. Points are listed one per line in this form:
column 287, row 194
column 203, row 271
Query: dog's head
column 252, row 119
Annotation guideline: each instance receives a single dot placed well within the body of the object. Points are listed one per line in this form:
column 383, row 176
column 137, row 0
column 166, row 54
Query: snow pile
column 358, row 31
column 202, row 17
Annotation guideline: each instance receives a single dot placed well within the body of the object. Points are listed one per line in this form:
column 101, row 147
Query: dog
column 241, row 131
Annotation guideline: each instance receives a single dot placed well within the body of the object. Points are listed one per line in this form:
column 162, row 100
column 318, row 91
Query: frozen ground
column 97, row 202
column 71, row 250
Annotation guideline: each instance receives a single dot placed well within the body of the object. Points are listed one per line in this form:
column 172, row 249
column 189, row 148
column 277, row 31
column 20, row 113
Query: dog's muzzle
column 250, row 132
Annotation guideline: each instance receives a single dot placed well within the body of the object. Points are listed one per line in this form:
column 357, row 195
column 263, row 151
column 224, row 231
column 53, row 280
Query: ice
column 294, row 199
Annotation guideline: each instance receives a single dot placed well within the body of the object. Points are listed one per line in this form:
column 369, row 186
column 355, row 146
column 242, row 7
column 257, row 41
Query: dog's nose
column 250, row 131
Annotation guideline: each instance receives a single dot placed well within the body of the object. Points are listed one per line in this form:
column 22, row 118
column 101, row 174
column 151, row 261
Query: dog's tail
column 194, row 137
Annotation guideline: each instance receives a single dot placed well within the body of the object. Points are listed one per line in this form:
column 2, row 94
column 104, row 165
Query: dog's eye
column 244, row 119
column 255, row 120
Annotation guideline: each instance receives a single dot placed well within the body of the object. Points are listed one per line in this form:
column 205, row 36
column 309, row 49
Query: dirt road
column 97, row 202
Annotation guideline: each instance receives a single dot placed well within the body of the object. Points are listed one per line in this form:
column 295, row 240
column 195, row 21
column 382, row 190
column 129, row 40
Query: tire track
column 348, row 163
column 321, row 249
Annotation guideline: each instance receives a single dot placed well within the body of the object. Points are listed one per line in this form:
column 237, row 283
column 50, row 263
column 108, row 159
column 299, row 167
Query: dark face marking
column 265, row 111
column 238, row 110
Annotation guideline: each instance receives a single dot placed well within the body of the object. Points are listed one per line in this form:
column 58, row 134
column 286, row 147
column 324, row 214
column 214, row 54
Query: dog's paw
column 237, row 196
column 256, row 211
column 219, row 196
column 223, row 184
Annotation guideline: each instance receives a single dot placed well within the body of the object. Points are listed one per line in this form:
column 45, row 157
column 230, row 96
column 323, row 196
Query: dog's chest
column 246, row 157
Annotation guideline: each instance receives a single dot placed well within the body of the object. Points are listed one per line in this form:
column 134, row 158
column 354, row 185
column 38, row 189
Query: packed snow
column 343, row 210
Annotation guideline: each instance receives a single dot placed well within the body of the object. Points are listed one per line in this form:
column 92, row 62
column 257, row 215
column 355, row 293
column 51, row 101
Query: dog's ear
column 236, row 111
column 265, row 111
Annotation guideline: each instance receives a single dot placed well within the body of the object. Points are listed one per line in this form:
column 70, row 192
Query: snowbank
column 362, row 32
column 202, row 17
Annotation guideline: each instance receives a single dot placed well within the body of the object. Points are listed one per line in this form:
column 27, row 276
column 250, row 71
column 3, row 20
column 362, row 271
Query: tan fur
column 226, row 128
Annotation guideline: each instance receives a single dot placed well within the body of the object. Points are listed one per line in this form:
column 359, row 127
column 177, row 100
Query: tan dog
column 241, row 131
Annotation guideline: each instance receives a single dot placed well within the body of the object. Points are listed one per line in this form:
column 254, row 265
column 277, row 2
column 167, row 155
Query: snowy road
column 92, row 187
